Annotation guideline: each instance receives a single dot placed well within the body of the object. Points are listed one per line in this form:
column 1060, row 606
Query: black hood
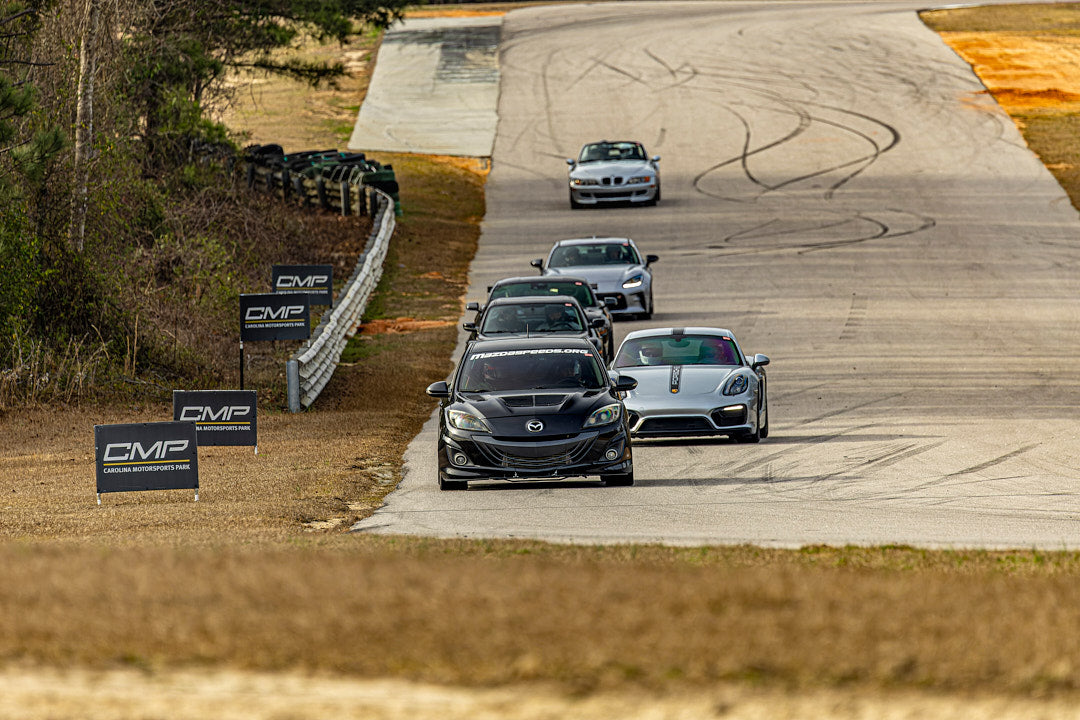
column 561, row 412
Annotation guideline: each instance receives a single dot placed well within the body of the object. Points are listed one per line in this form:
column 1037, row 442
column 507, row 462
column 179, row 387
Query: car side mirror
column 656, row 158
column 759, row 361
column 538, row 263
column 598, row 322
column 650, row 259
column 571, row 162
column 468, row 326
column 472, row 307
column 611, row 302
column 439, row 389
column 625, row 383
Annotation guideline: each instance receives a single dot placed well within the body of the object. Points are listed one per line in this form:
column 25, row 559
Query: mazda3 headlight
column 579, row 182
column 605, row 415
column 466, row 421
column 736, row 385
column 639, row 180
column 634, row 281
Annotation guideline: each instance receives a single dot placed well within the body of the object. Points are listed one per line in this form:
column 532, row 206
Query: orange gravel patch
column 1024, row 72
column 401, row 325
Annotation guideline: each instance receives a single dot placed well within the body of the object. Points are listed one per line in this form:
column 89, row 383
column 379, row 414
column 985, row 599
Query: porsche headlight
column 579, row 182
column 634, row 281
column 639, row 179
column 605, row 415
column 466, row 421
column 736, row 385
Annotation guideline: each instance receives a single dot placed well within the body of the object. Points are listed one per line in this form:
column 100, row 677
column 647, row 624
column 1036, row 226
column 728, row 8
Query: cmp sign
column 221, row 417
column 315, row 281
column 270, row 316
column 146, row 456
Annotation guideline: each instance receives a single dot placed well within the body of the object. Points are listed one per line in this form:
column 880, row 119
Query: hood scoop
column 530, row 401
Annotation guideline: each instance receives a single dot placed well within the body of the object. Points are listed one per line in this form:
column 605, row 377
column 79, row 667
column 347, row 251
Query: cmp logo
column 301, row 282
column 162, row 451
column 229, row 414
column 534, row 426
column 285, row 313
column 315, row 281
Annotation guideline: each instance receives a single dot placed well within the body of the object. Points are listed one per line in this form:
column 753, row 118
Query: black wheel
column 448, row 484
column 574, row 204
column 763, row 430
column 619, row 479
column 656, row 198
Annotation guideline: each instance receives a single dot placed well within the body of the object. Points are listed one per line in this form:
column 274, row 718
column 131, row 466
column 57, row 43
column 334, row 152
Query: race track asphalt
column 841, row 192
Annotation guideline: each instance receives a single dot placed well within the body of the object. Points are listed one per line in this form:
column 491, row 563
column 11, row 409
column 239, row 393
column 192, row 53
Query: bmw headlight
column 466, row 421
column 639, row 180
column 605, row 415
column 736, row 385
column 634, row 281
column 578, row 182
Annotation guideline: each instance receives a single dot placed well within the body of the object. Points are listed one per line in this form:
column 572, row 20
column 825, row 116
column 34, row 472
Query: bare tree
column 84, row 120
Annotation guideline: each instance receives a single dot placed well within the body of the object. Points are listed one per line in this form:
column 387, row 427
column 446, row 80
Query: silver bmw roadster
column 614, row 172
column 693, row 381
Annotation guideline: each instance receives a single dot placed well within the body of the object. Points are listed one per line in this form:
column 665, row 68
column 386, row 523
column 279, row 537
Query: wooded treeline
column 123, row 240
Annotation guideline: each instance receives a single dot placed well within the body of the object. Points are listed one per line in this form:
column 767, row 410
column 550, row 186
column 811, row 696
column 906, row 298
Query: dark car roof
column 532, row 300
column 538, row 278
column 529, row 343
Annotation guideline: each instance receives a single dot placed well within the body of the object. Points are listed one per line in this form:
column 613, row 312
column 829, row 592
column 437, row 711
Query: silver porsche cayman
column 614, row 172
column 693, row 381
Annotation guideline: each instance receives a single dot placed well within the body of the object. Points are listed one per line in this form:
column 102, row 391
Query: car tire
column 763, row 431
column 446, row 483
column 619, row 479
column 749, row 437
column 656, row 198
column 574, row 204
column 647, row 315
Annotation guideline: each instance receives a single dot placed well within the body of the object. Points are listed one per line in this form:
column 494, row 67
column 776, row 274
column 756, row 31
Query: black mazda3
column 532, row 409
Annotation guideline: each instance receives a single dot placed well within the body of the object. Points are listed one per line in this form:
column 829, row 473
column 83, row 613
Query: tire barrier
column 310, row 367
column 330, row 179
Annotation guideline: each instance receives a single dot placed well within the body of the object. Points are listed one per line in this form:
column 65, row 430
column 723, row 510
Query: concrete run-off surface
column 435, row 89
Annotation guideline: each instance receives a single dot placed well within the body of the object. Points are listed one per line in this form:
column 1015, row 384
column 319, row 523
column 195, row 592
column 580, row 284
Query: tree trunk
column 84, row 122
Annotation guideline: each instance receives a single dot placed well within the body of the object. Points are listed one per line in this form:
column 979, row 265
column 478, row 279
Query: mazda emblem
column 534, row 426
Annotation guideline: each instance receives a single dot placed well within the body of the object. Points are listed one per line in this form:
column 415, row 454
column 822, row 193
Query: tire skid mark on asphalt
column 856, row 317
column 743, row 157
column 842, row 411
column 899, row 454
column 995, row 461
column 781, row 452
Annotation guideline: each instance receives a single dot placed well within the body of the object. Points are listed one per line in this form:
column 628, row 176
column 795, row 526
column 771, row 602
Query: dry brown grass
column 504, row 612
column 259, row 574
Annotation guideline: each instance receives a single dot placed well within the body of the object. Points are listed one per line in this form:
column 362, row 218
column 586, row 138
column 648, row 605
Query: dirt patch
column 1024, row 72
column 402, row 325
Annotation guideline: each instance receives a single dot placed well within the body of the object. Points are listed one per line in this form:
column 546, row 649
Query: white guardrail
column 310, row 367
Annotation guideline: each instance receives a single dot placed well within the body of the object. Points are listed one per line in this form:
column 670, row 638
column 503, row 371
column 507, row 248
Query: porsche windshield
column 594, row 254
column 575, row 289
column 606, row 151
column 533, row 317
column 679, row 350
column 533, row 369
